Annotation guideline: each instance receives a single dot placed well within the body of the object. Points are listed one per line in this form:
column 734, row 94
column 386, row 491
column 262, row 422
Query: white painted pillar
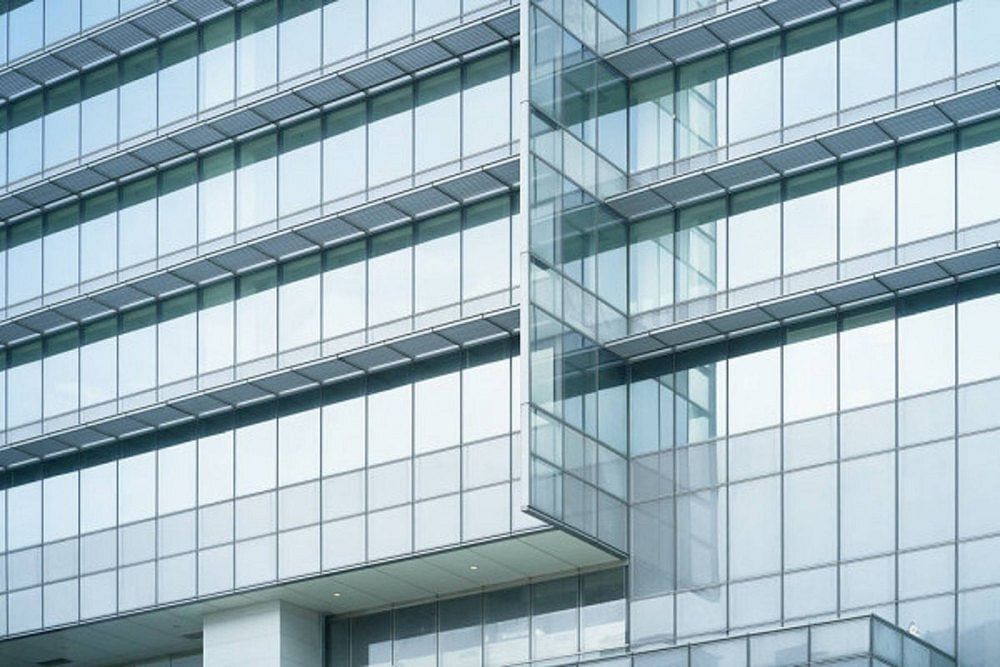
column 270, row 634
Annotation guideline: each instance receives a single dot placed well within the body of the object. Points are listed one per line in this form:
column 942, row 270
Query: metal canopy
column 489, row 180
column 718, row 33
column 817, row 151
column 353, row 363
column 883, row 284
column 358, row 79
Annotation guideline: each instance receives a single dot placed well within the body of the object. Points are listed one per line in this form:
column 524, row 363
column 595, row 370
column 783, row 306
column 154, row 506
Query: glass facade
column 278, row 357
column 542, row 621
column 409, row 278
column 235, row 59
column 819, row 466
column 315, row 482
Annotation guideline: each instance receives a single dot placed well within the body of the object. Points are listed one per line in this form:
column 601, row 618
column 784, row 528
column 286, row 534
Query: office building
column 484, row 332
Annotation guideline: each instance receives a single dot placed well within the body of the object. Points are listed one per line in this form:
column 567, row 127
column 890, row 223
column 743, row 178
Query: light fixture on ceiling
column 336, row 594
column 473, row 567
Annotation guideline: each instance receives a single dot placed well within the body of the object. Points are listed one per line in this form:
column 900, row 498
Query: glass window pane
column 485, row 248
column 216, row 327
column 178, row 84
column 137, row 223
column 977, row 43
column 256, row 182
column 298, row 441
column 61, row 374
column 810, row 221
column 436, row 399
column 137, row 487
column 926, row 494
column 755, row 89
column 437, row 117
column 257, row 48
column 485, row 111
column 867, row 505
column 99, row 109
column 926, row 48
column 137, row 113
column 867, row 202
column 701, row 106
column 978, row 169
column 344, row 290
column 754, row 237
column 437, row 263
column 99, row 236
column 26, row 20
column 344, row 429
column 926, row 179
column 99, row 362
column 300, row 32
column 754, row 390
column 62, row 123
column 62, row 250
column 393, row 20
column 415, row 642
column 344, row 134
column 554, row 618
column 390, row 136
column 810, row 517
column 216, row 64
column 256, row 316
column 810, row 371
column 61, row 503
column 24, row 137
column 136, row 362
column 651, row 264
column 390, row 276
column 810, row 72
column 24, row 261
column 256, row 452
column 299, row 169
column 341, row 38
column 867, row 55
column 505, row 626
column 977, row 358
column 215, row 466
column 177, row 474
column 389, row 422
column 460, row 632
column 298, row 295
column 867, row 359
column 926, row 346
column 216, row 195
column 755, row 528
column 178, row 210
column 651, row 122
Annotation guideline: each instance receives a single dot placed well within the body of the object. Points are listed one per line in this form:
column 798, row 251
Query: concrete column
column 270, row 634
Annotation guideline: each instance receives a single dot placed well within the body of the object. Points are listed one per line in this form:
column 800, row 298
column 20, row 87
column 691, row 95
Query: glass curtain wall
column 422, row 457
column 453, row 120
column 544, row 620
column 866, row 61
column 27, row 26
column 456, row 265
column 835, row 466
column 228, row 61
column 578, row 437
column 865, row 214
